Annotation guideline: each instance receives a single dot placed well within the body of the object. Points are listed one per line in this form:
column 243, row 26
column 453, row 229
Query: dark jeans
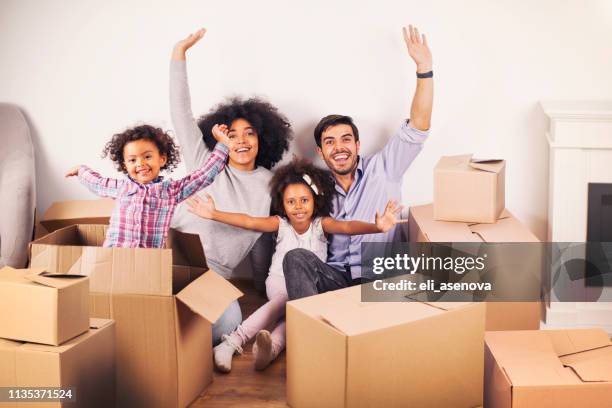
column 306, row 275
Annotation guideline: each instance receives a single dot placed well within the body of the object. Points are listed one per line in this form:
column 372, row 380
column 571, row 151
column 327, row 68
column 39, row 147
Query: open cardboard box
column 469, row 190
column 48, row 309
column 342, row 352
column 65, row 213
column 162, row 300
column 548, row 369
column 85, row 364
column 500, row 315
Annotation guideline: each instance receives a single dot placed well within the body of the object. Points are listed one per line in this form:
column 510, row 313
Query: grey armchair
column 17, row 187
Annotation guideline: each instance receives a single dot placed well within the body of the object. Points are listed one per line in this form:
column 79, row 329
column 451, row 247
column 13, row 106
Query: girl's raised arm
column 206, row 209
column 383, row 223
column 101, row 186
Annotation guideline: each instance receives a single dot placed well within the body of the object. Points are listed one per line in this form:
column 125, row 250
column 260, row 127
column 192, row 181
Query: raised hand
column 203, row 208
column 182, row 46
column 418, row 49
column 220, row 133
column 73, row 171
column 389, row 218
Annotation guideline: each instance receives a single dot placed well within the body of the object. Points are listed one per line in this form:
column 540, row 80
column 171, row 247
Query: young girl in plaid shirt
column 145, row 201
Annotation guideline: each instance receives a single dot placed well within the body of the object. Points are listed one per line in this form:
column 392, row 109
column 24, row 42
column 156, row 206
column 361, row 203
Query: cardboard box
column 163, row 304
column 548, row 369
column 469, row 190
column 85, row 363
column 164, row 343
column 47, row 309
column 77, row 250
column 342, row 352
column 65, row 213
column 500, row 315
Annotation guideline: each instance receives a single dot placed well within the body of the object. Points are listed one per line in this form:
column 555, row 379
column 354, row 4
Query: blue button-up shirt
column 377, row 180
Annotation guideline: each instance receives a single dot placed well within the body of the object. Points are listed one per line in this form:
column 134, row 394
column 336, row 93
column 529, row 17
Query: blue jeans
column 306, row 275
column 227, row 323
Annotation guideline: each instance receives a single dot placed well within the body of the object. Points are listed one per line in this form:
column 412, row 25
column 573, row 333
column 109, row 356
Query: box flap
column 528, row 358
column 467, row 163
column 441, row 231
column 502, row 216
column 55, row 280
column 506, row 229
column 209, row 295
column 587, row 351
column 189, row 246
column 65, row 213
column 8, row 274
column 567, row 342
column 591, row 366
column 489, row 165
column 40, row 276
column 351, row 319
column 344, row 310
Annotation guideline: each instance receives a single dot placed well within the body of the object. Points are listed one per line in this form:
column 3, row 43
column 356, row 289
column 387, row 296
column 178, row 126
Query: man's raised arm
column 422, row 102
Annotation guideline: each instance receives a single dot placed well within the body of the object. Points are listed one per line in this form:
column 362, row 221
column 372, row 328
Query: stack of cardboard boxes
column 524, row 367
column 48, row 340
column 469, row 206
column 162, row 300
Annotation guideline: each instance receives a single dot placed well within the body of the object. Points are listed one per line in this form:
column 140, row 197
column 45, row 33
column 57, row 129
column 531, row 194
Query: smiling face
column 299, row 204
column 244, row 145
column 339, row 149
column 142, row 160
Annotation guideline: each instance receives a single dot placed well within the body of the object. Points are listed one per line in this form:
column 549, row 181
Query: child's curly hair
column 163, row 141
column 293, row 173
column 273, row 129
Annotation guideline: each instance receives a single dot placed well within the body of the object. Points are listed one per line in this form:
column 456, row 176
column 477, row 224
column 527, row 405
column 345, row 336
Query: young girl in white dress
column 302, row 199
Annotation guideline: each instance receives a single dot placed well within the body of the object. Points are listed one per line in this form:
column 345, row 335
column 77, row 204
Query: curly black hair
column 273, row 129
column 163, row 141
column 293, row 173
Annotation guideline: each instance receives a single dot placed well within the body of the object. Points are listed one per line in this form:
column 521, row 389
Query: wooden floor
column 243, row 386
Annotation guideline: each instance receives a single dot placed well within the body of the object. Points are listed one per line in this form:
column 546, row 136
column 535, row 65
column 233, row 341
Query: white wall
column 83, row 70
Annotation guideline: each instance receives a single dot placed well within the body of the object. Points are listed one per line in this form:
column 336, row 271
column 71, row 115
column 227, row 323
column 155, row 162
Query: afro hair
column 273, row 129
column 293, row 173
column 164, row 142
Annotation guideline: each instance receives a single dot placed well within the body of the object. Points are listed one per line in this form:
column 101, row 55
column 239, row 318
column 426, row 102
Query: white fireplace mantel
column 580, row 152
column 579, row 124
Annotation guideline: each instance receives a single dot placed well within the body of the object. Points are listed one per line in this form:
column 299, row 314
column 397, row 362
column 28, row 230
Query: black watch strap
column 428, row 74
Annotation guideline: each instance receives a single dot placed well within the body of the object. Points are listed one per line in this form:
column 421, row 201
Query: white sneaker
column 223, row 354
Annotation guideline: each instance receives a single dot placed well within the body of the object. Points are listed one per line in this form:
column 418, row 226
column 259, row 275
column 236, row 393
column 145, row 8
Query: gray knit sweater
column 233, row 190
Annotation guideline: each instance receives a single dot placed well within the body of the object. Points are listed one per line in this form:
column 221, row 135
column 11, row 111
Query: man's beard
column 349, row 170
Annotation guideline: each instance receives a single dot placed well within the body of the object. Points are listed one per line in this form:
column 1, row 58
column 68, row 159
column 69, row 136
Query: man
column 363, row 185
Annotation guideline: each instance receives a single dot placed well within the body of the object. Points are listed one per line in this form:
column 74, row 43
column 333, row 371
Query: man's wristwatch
column 428, row 74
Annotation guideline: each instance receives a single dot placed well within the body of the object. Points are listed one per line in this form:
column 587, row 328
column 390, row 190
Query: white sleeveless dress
column 287, row 239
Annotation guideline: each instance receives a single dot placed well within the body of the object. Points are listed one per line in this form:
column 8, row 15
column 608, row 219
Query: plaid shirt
column 141, row 217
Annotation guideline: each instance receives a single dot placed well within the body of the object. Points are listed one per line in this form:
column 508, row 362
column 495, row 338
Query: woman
column 259, row 135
